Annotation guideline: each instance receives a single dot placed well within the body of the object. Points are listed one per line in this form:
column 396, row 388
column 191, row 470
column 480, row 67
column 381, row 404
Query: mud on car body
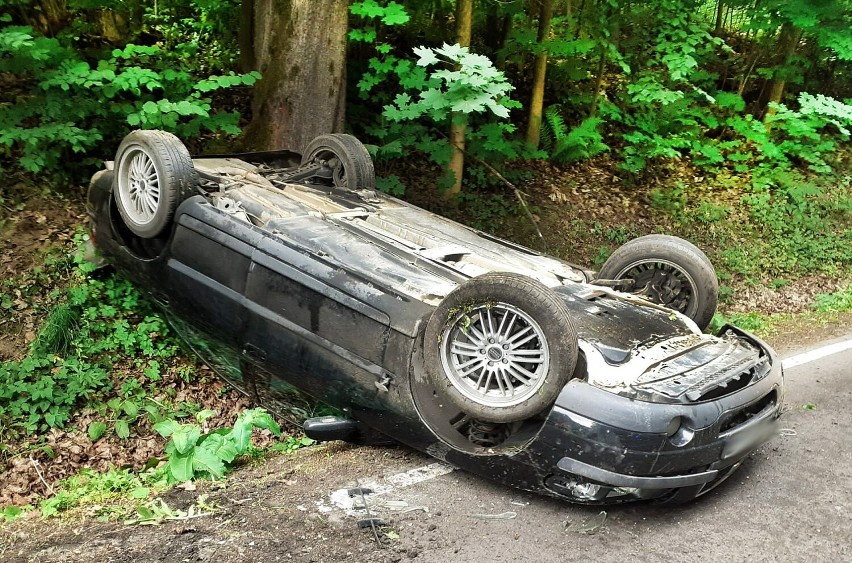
column 288, row 271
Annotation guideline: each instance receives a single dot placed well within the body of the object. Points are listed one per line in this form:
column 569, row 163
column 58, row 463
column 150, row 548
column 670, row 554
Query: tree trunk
column 245, row 38
column 47, row 17
column 113, row 25
column 300, row 49
column 788, row 40
column 596, row 95
column 464, row 18
column 720, row 17
column 497, row 28
column 539, row 73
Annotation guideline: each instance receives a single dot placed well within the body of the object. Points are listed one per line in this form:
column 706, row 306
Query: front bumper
column 614, row 446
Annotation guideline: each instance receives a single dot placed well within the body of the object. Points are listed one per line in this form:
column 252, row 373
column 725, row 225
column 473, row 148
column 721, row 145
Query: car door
column 209, row 261
column 310, row 320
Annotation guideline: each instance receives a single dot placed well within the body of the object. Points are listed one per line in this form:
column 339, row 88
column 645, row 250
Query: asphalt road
column 791, row 501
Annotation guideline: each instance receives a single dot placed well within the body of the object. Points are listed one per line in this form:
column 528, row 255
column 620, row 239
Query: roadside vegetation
column 725, row 122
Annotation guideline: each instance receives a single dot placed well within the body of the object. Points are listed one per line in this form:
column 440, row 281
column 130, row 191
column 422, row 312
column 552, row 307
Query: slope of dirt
column 29, row 231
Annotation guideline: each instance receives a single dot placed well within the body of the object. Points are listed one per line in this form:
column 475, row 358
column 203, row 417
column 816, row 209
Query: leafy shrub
column 91, row 487
column 418, row 96
column 581, row 142
column 62, row 103
column 192, row 454
column 70, row 361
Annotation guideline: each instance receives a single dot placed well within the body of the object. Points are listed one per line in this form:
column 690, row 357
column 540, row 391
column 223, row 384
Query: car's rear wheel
column 500, row 347
column 344, row 159
column 153, row 174
column 668, row 271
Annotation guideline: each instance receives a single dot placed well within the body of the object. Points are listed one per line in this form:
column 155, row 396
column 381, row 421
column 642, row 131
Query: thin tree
column 788, row 40
column 545, row 14
column 458, row 128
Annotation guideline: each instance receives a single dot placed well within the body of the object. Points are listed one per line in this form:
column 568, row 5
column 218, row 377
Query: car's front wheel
column 500, row 347
column 668, row 271
column 153, row 174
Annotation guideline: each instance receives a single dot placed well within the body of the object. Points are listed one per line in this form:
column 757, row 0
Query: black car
column 290, row 271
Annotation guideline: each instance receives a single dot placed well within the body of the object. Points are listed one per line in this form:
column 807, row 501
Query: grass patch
column 837, row 302
column 95, row 489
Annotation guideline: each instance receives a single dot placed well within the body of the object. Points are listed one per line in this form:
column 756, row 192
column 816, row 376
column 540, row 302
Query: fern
column 583, row 141
column 553, row 128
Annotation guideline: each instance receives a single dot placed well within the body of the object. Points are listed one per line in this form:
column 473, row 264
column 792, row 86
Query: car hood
column 636, row 349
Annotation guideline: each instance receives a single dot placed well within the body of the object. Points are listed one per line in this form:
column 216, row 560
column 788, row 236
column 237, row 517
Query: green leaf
column 426, row 56
column 203, row 415
column 241, row 435
column 220, row 446
column 11, row 513
column 181, row 466
column 204, row 460
column 185, row 437
column 166, row 428
column 395, row 14
column 96, row 430
column 140, row 493
column 131, row 409
column 122, row 429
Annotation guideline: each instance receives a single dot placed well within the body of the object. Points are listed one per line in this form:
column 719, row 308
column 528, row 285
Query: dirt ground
column 262, row 513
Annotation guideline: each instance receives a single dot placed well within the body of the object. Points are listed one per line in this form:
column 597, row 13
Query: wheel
column 669, row 271
column 345, row 157
column 500, row 347
column 153, row 174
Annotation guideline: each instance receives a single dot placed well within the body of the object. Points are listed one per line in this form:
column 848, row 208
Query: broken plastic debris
column 502, row 516
column 588, row 526
column 357, row 491
column 371, row 523
column 787, row 432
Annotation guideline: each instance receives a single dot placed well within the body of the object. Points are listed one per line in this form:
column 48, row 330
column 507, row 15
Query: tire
column 668, row 271
column 350, row 163
column 531, row 357
column 153, row 174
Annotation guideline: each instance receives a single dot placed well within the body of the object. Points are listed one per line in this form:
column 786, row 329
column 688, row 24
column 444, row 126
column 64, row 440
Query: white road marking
column 340, row 498
column 814, row 355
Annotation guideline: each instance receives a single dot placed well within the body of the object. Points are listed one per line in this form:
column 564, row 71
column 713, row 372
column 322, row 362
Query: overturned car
column 290, row 271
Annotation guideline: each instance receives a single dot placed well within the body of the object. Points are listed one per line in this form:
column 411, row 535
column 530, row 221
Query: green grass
column 838, row 302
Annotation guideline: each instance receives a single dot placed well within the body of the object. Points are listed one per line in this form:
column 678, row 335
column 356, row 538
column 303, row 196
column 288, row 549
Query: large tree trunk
column 545, row 14
column 300, row 49
column 464, row 19
column 47, row 17
column 245, row 37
